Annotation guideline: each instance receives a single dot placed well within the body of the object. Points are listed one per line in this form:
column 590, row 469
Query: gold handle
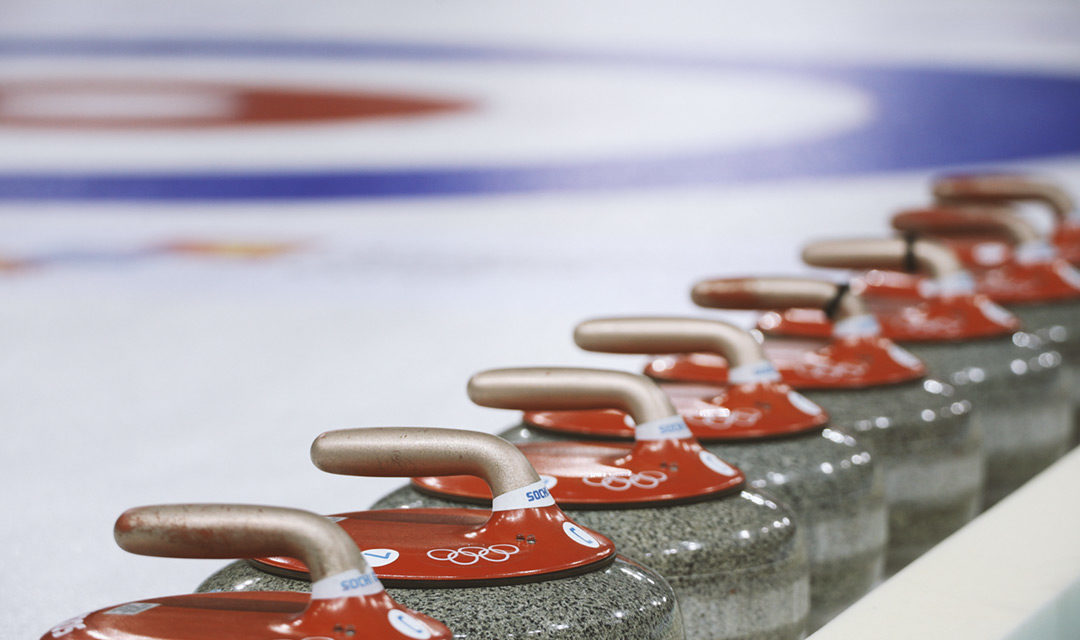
column 934, row 259
column 421, row 451
column 568, row 389
column 992, row 188
column 239, row 531
column 769, row 293
column 658, row 335
column 966, row 220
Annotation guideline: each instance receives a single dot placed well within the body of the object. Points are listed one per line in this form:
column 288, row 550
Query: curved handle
column 239, row 531
column 569, row 389
column 659, row 335
column 934, row 259
column 1002, row 188
column 838, row 302
column 966, row 220
column 421, row 451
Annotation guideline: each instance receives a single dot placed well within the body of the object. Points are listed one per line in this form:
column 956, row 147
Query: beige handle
column 778, row 294
column 966, row 220
column 568, row 389
column 933, row 259
column 658, row 335
column 416, row 451
column 239, row 531
column 999, row 188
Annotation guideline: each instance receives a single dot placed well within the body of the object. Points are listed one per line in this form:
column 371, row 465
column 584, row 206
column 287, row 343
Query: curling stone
column 920, row 430
column 736, row 559
column 522, row 569
column 1013, row 378
column 1033, row 281
column 346, row 597
column 777, row 437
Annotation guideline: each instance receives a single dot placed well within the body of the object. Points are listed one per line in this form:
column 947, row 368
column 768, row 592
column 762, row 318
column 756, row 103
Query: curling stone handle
column 771, row 293
column 422, row 451
column 660, row 335
column 569, row 389
column 933, row 259
column 1002, row 189
column 966, row 220
column 239, row 531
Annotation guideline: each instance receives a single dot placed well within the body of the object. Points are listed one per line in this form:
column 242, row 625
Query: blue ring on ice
column 924, row 118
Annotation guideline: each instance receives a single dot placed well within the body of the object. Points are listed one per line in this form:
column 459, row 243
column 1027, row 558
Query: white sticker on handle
column 1034, row 252
column 407, row 625
column 669, row 428
column 527, row 497
column 855, row 326
column 760, row 371
column 347, row 584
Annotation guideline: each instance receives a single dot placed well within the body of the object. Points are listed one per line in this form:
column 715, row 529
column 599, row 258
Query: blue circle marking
column 924, row 117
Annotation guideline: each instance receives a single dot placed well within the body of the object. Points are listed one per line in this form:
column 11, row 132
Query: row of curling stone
column 778, row 438
column 347, row 600
column 1013, row 378
column 1009, row 380
column 735, row 558
column 1013, row 263
column 519, row 569
column 920, row 432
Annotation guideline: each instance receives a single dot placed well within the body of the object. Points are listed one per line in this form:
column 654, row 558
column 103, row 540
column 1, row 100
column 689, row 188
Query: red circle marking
column 213, row 104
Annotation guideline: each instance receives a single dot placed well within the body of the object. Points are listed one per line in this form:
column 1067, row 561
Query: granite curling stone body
column 1012, row 378
column 522, row 569
column 920, row 429
column 347, row 598
column 1033, row 279
column 736, row 558
column 778, row 438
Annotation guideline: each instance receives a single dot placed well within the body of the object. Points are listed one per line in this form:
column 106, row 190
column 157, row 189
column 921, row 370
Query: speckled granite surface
column 834, row 488
column 1016, row 387
column 621, row 601
column 837, row 493
column 737, row 552
column 927, row 441
column 1059, row 326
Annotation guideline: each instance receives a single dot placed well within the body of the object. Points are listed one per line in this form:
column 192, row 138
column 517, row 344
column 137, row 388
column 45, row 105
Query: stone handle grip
column 422, row 451
column 1002, row 189
column 238, row 531
column 931, row 258
column 965, row 220
column 569, row 389
column 659, row 335
column 771, row 293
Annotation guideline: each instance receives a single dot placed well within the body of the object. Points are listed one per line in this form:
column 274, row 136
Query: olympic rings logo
column 465, row 556
column 641, row 480
column 832, row 371
column 723, row 418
